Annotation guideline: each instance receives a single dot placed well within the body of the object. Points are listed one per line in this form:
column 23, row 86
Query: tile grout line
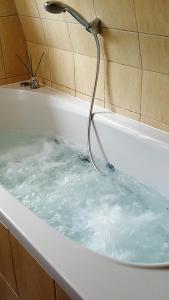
column 141, row 59
column 9, row 16
column 108, row 28
column 3, row 58
column 46, row 44
column 82, row 54
column 159, row 121
column 124, row 108
column 104, row 58
column 87, row 95
column 10, row 77
column 114, row 61
column 73, row 55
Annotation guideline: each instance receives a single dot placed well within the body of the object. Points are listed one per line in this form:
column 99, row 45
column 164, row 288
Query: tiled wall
column 12, row 41
column 134, row 76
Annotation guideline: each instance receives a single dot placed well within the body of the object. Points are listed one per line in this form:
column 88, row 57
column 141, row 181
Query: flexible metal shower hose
column 92, row 105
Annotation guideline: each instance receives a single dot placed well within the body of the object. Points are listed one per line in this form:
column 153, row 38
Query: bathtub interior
column 135, row 149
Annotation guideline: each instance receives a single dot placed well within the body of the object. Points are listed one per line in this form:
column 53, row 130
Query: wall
column 12, row 41
column 134, row 76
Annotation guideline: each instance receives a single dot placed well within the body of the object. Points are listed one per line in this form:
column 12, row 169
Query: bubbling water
column 114, row 215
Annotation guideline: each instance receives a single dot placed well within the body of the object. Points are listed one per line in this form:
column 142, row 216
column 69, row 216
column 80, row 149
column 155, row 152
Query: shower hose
column 92, row 105
column 91, row 114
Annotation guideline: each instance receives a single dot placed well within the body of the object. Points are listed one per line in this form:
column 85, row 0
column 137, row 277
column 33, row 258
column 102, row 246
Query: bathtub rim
column 101, row 113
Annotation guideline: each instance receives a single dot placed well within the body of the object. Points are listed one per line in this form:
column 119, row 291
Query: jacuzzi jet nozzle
column 84, row 158
column 110, row 167
column 56, row 141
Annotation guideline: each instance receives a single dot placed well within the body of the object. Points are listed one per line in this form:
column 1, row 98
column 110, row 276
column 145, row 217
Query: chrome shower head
column 54, row 7
column 57, row 7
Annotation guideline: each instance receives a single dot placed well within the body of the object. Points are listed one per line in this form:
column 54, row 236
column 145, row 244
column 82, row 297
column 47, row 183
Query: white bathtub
column 134, row 148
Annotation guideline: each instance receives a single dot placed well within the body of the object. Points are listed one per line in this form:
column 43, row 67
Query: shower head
column 57, row 7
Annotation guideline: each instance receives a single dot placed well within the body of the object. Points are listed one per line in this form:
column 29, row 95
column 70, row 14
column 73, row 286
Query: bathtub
column 134, row 148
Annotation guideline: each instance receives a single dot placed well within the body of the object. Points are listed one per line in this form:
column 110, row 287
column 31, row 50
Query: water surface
column 114, row 215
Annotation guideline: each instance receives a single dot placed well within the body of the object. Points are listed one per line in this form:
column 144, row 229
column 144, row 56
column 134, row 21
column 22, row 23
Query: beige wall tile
column 82, row 41
column 153, row 16
column 155, row 52
column 86, row 8
column 155, row 97
column 2, row 81
column 85, row 68
column 89, row 99
column 7, row 8
column 124, row 112
column 62, row 67
column 27, row 8
column 19, row 78
column 122, row 46
column 154, row 123
column 36, row 51
column 57, row 34
column 116, row 14
column 2, row 67
column 45, row 14
column 12, row 42
column 63, row 89
column 123, row 86
column 33, row 29
column 44, row 82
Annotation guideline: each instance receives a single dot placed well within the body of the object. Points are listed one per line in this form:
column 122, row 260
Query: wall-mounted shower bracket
column 94, row 26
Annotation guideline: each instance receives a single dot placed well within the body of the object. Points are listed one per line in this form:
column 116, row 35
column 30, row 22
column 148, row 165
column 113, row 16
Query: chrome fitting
column 34, row 84
column 94, row 26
